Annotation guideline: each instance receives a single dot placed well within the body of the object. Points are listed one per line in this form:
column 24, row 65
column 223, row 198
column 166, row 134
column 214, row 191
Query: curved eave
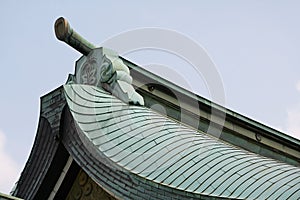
column 149, row 148
column 48, row 156
column 115, row 180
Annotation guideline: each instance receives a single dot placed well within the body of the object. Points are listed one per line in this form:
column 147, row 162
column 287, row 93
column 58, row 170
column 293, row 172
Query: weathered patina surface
column 101, row 67
column 166, row 152
column 134, row 152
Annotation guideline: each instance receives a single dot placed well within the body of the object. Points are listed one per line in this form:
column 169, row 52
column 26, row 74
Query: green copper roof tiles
column 164, row 151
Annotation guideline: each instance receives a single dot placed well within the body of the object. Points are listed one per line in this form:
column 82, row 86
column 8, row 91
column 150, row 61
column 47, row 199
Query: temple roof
column 91, row 137
column 137, row 152
column 152, row 146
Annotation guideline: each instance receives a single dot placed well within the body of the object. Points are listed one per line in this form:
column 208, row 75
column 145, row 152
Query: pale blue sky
column 254, row 44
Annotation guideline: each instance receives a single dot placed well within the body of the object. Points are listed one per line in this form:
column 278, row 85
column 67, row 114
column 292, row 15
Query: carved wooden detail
column 84, row 188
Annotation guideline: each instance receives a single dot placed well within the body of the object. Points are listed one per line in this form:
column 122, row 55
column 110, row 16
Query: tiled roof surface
column 166, row 152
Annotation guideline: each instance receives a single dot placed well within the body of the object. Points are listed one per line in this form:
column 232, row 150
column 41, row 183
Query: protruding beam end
column 62, row 28
column 65, row 33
